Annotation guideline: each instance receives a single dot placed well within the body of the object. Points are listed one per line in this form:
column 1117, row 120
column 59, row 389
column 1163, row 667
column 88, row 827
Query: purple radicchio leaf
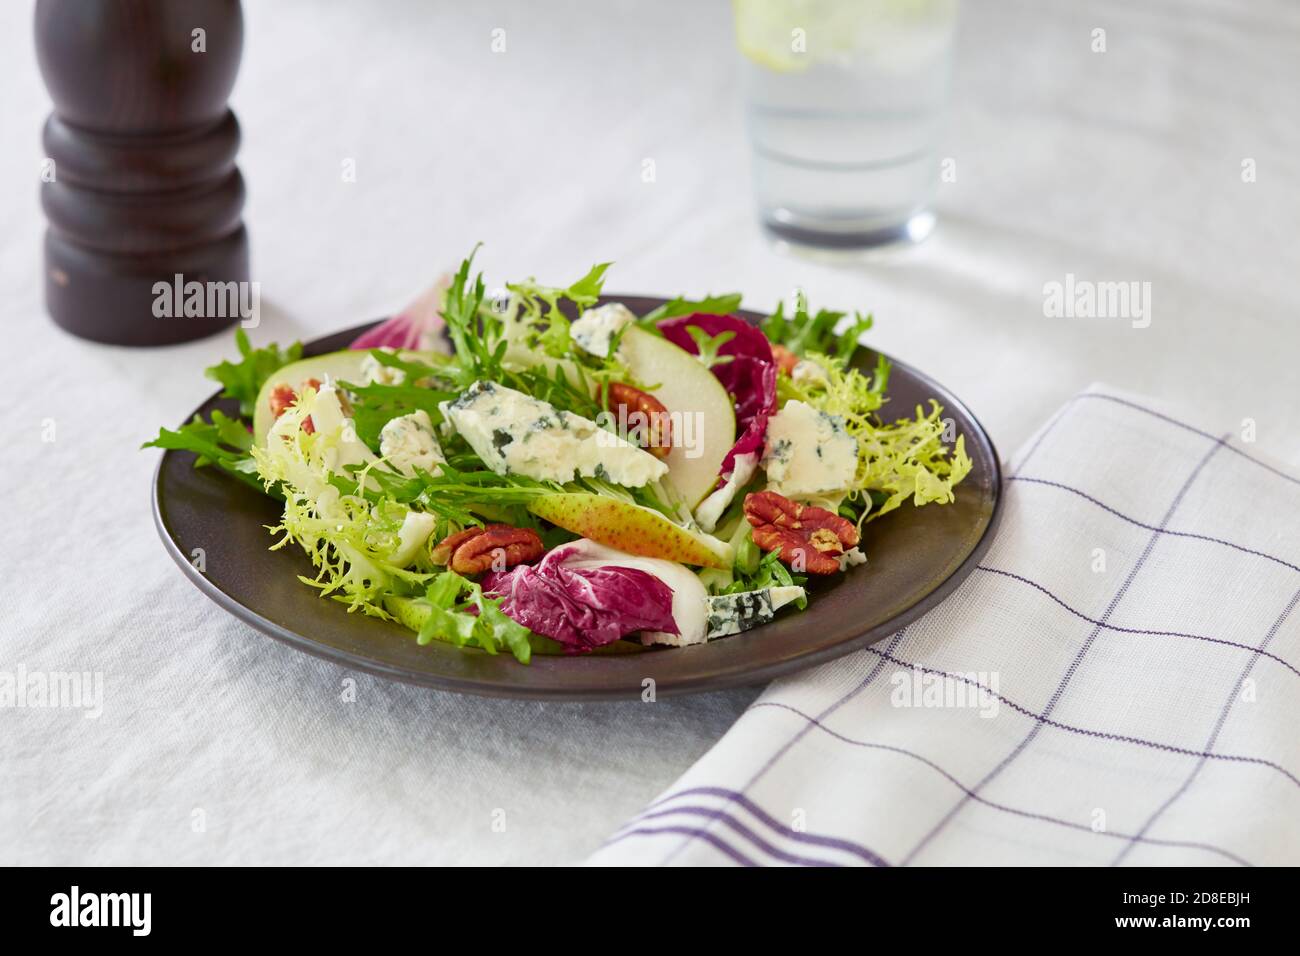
column 582, row 608
column 418, row 327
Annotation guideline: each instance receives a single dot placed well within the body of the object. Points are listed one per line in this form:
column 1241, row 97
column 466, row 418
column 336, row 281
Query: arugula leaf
column 803, row 333
column 223, row 442
column 429, row 366
column 709, row 345
column 476, row 332
column 455, row 494
column 243, row 380
column 711, row 304
column 534, row 319
column 375, row 405
column 554, row 386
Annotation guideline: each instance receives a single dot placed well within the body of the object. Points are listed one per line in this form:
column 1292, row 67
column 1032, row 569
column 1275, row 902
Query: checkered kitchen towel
column 1117, row 683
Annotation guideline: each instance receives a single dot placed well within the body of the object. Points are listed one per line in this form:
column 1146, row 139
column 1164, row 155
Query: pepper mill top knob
column 139, row 66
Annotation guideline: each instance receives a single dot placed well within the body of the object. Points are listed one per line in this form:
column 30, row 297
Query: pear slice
column 632, row 528
column 702, row 413
column 345, row 365
column 341, row 366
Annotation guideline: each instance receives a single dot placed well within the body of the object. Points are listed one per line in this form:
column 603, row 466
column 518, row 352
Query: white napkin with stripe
column 1117, row 684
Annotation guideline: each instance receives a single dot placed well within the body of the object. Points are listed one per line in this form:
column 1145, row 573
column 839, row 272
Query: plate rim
column 690, row 684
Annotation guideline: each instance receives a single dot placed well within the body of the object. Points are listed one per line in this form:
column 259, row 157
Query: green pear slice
column 631, row 528
column 702, row 413
column 343, row 366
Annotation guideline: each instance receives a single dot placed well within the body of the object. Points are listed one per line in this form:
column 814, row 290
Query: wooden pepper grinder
column 140, row 183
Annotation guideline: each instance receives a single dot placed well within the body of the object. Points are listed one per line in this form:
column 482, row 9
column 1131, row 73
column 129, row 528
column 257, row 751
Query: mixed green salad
column 542, row 472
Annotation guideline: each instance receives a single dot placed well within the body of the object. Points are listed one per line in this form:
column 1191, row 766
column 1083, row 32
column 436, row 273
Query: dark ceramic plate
column 917, row 557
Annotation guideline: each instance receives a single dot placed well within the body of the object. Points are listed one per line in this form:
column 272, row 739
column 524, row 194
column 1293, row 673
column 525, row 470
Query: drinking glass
column 845, row 104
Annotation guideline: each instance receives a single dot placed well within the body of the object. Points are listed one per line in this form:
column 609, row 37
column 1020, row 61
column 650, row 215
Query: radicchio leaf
column 582, row 608
column 418, row 327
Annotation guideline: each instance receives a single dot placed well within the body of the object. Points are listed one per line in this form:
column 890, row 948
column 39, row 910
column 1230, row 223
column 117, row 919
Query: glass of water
column 845, row 102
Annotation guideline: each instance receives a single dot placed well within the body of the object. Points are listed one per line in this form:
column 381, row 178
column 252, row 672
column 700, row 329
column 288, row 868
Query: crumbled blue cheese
column 710, row 510
column 809, row 452
column 595, row 330
column 516, row 434
column 851, row 559
column 375, row 372
column 733, row 613
column 408, row 442
column 808, row 372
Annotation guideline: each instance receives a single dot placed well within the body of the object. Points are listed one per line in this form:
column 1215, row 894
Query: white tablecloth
column 217, row 745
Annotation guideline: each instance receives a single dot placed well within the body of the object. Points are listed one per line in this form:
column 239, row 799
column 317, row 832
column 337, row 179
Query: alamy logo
column 53, row 689
column 208, row 300
column 675, row 429
column 917, row 688
column 102, row 909
column 1084, row 299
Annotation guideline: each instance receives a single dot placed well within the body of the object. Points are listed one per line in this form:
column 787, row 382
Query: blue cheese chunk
column 596, row 329
column 516, row 434
column 375, row 372
column 408, row 442
column 809, row 453
column 808, row 372
column 733, row 613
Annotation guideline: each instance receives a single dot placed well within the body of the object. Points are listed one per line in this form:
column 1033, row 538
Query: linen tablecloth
column 1118, row 682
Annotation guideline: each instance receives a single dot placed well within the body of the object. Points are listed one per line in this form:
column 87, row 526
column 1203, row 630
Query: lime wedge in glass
column 788, row 36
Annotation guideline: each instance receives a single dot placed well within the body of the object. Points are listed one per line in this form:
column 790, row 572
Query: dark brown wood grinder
column 139, row 184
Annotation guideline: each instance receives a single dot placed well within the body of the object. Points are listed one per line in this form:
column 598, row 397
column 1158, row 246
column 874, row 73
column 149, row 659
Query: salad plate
column 215, row 527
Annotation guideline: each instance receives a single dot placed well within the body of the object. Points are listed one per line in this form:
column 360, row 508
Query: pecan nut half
column 784, row 358
column 808, row 538
column 495, row 547
column 441, row 552
column 642, row 417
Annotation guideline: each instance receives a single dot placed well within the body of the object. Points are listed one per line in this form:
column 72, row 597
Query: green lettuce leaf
column 909, row 459
column 375, row 405
column 767, row 572
column 710, row 305
column 243, row 380
column 539, row 314
column 223, row 442
column 803, row 333
column 460, row 613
